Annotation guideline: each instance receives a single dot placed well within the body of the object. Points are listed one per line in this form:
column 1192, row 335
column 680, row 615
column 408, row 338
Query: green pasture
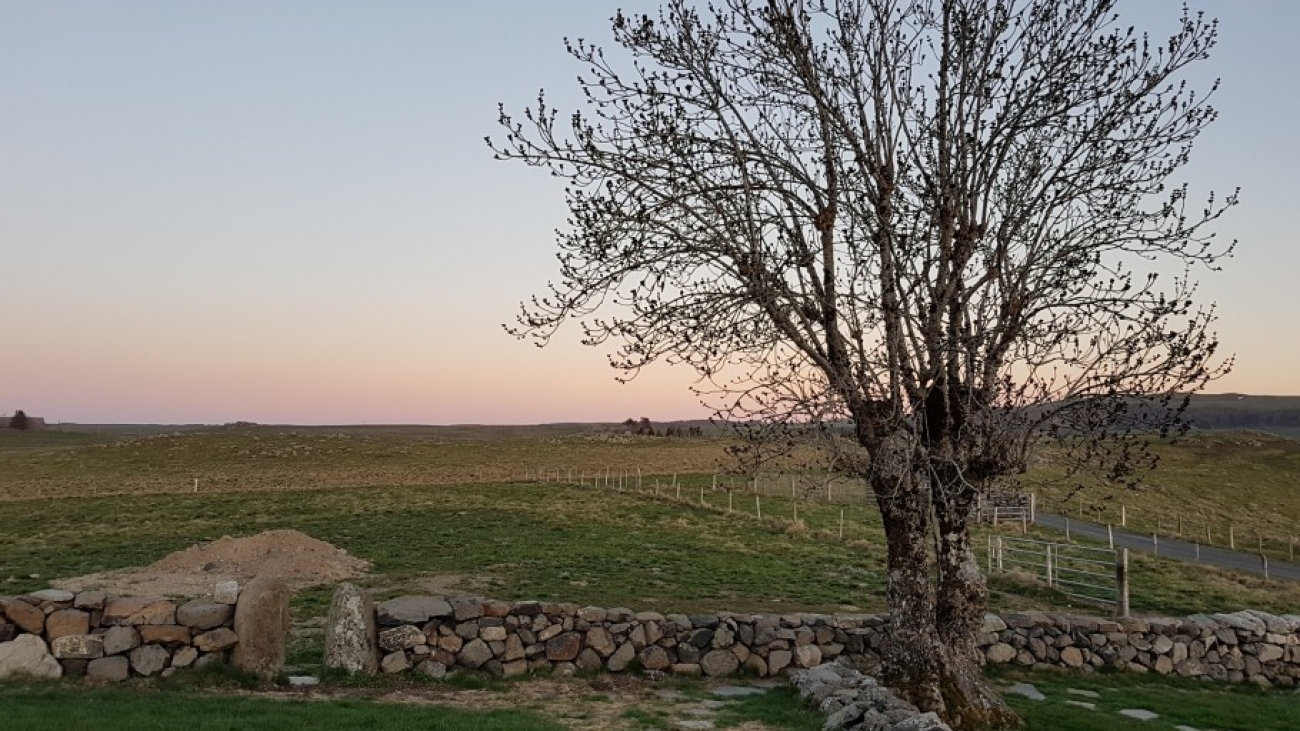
column 561, row 542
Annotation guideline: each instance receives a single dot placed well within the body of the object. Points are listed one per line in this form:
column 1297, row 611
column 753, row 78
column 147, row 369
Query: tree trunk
column 930, row 657
column 961, row 602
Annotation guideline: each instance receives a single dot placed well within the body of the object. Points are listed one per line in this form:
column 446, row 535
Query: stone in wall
column 137, row 611
column 27, row 617
column 412, row 610
column 28, row 655
column 203, row 614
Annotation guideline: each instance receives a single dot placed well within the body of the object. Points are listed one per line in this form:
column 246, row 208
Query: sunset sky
column 283, row 211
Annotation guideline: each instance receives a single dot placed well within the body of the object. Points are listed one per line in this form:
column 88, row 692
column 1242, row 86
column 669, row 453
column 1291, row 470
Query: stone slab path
column 1028, row 690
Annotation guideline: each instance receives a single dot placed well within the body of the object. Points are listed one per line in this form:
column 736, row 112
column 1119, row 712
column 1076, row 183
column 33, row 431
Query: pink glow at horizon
column 284, row 212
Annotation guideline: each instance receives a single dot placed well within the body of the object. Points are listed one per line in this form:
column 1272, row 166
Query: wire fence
column 1093, row 575
column 1235, row 536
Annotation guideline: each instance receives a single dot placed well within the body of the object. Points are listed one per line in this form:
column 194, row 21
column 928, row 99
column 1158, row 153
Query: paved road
column 1172, row 548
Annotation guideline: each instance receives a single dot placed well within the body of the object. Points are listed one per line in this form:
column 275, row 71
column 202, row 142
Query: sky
column 283, row 211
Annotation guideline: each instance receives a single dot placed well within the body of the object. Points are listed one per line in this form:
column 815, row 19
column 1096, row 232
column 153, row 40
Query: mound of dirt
column 298, row 559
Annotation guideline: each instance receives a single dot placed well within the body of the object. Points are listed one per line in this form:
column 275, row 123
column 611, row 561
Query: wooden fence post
column 841, row 524
column 999, row 554
column 1123, row 516
column 758, row 507
column 1110, row 537
column 1232, row 539
column 1048, row 554
column 1155, row 544
column 1033, row 498
column 1067, row 530
column 1121, row 584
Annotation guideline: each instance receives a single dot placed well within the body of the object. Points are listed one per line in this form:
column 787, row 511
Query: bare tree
column 945, row 222
column 19, row 421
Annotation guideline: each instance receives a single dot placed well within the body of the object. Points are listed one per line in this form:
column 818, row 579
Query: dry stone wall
column 1246, row 646
column 53, row 633
column 434, row 634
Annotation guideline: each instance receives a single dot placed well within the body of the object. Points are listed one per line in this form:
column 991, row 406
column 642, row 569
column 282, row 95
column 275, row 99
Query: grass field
column 557, row 542
column 64, row 464
column 1249, row 481
column 601, row 703
column 430, row 501
column 448, row 508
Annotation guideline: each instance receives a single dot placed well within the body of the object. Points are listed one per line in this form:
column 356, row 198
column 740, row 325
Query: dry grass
column 267, row 459
column 1249, row 481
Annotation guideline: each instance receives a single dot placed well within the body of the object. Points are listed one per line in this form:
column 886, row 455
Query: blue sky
column 284, row 211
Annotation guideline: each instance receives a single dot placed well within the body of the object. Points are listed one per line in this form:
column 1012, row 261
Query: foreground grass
column 634, row 705
column 1198, row 704
column 58, row 707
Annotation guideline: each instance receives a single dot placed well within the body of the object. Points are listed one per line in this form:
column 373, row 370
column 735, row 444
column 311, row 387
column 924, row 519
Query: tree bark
column 962, row 598
column 930, row 657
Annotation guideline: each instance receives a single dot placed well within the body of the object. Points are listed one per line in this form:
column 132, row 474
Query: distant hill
column 1216, row 411
column 1275, row 414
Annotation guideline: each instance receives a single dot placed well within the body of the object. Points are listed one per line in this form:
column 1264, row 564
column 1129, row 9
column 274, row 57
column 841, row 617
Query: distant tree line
column 19, row 421
column 643, row 427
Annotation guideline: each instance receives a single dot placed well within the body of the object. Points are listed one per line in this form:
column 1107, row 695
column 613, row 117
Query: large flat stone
column 136, row 611
column 203, row 614
column 57, row 596
column 412, row 610
column 77, row 647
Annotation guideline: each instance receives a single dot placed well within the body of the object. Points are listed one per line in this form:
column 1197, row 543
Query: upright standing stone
column 262, row 623
column 350, row 633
